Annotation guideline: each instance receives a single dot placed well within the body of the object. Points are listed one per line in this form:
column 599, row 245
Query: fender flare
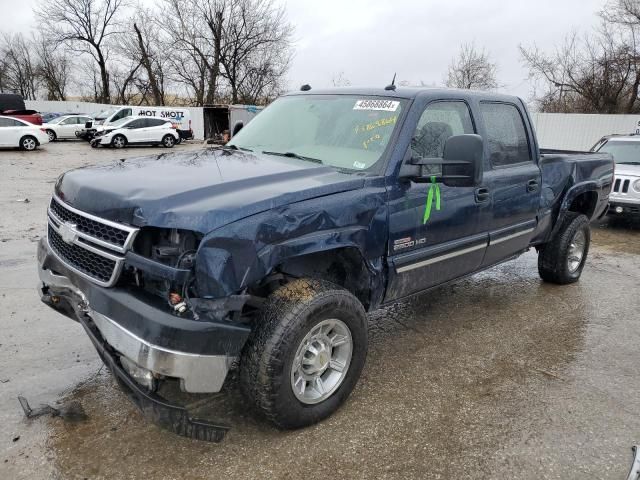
column 570, row 196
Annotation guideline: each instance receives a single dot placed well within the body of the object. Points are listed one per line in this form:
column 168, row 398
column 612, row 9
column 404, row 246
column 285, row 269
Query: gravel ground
column 497, row 376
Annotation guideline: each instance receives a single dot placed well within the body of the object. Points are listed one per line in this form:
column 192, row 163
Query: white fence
column 197, row 115
column 578, row 131
column 555, row 130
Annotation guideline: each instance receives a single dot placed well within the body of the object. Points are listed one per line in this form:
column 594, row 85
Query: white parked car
column 17, row 133
column 65, row 127
column 137, row 131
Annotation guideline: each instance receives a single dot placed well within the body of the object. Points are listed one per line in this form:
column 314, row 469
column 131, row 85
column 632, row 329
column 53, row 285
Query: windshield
column 345, row 131
column 623, row 152
column 105, row 114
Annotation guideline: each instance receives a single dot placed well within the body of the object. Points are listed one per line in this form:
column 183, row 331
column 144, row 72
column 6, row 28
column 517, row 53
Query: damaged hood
column 200, row 190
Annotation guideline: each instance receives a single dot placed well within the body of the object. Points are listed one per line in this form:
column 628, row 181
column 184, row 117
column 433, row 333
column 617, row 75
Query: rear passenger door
column 154, row 130
column 513, row 181
column 135, row 130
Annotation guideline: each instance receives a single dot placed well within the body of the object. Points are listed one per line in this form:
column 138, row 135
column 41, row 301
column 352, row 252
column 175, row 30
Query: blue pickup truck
column 264, row 256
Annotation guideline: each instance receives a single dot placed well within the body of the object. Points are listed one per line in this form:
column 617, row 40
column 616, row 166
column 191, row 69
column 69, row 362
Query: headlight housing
column 636, row 185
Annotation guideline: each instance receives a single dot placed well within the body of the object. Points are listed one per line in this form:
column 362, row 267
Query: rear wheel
column 168, row 141
column 119, row 141
column 52, row 135
column 28, row 143
column 562, row 259
column 305, row 354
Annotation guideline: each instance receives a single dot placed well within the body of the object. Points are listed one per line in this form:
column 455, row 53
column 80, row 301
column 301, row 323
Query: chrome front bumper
column 196, row 373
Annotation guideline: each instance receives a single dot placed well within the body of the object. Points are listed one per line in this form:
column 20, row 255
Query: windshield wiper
column 628, row 163
column 235, row 147
column 293, row 155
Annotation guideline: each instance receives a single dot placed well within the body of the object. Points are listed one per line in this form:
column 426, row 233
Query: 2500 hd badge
column 266, row 255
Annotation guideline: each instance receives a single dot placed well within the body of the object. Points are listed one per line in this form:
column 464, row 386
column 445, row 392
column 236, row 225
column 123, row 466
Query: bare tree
column 256, row 29
column 231, row 50
column 190, row 46
column 472, row 69
column 53, row 67
column 595, row 73
column 18, row 65
column 85, row 26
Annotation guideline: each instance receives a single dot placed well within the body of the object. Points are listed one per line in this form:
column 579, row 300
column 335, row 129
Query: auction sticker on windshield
column 383, row 105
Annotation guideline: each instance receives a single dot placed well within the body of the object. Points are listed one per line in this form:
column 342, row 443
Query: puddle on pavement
column 447, row 370
column 617, row 234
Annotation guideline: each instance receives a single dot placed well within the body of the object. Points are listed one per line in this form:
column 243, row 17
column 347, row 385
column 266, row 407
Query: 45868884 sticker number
column 381, row 105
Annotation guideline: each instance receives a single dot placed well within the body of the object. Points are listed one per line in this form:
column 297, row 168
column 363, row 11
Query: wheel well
column 345, row 267
column 29, row 136
column 585, row 203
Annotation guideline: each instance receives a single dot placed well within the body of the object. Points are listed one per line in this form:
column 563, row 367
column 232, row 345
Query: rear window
column 506, row 134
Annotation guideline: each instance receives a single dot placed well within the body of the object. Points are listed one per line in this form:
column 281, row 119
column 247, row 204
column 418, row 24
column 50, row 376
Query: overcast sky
column 369, row 40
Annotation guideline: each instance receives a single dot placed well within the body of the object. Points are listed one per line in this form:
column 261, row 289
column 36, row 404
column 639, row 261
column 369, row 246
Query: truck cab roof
column 411, row 93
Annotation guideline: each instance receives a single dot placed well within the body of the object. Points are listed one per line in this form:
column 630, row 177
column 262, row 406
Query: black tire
column 289, row 314
column 168, row 141
column 553, row 257
column 52, row 135
column 29, row 143
column 179, row 140
column 117, row 143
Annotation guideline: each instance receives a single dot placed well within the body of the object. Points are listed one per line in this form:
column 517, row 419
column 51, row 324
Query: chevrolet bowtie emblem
column 68, row 232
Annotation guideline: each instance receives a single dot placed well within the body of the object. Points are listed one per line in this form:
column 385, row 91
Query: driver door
column 430, row 246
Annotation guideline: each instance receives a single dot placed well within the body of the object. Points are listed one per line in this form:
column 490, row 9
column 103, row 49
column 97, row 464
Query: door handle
column 482, row 194
column 532, row 185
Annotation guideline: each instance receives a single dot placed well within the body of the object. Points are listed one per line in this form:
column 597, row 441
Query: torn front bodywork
column 252, row 213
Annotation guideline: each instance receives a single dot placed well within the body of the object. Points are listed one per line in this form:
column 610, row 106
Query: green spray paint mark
column 434, row 189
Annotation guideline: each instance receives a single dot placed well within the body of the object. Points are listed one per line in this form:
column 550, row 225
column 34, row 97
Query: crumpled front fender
column 241, row 254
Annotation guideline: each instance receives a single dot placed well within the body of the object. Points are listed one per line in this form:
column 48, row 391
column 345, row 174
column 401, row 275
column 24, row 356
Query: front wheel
column 52, row 135
column 562, row 260
column 119, row 141
column 305, row 354
column 168, row 141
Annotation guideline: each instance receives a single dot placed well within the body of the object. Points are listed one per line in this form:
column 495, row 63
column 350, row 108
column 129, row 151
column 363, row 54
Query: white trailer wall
column 579, row 131
column 197, row 116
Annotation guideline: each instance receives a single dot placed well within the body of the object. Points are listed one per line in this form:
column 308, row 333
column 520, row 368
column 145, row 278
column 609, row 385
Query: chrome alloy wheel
column 576, row 251
column 29, row 144
column 321, row 361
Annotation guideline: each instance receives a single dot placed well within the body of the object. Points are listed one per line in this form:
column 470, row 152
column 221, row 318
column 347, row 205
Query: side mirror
column 461, row 163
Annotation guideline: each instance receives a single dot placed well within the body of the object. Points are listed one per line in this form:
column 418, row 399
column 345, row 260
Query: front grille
column 92, row 246
column 81, row 259
column 106, row 233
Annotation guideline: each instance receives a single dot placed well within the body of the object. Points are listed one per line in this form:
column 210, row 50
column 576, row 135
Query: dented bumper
column 197, row 353
column 133, row 335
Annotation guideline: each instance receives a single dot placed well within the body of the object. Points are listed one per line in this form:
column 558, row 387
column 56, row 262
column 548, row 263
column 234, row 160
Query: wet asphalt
column 496, row 376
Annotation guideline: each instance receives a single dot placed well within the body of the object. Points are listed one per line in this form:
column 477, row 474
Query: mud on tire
column 290, row 313
column 554, row 257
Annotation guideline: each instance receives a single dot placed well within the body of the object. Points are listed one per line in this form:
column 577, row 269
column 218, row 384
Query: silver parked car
column 625, row 195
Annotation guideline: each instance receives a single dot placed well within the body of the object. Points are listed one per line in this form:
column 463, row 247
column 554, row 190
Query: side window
column 156, row 122
column 139, row 123
column 6, row 122
column 439, row 121
column 506, row 134
column 125, row 112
